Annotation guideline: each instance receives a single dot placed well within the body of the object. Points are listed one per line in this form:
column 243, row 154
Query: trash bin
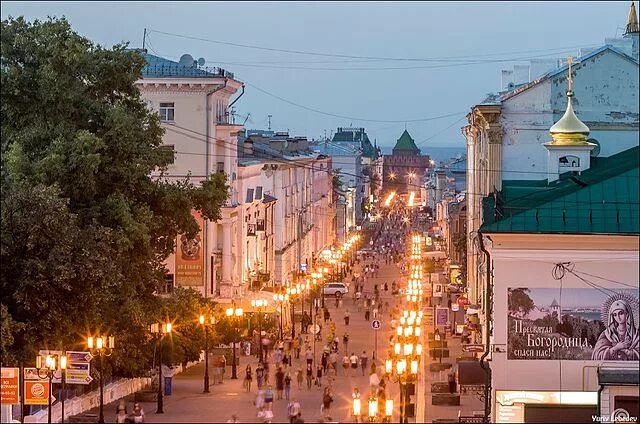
column 168, row 386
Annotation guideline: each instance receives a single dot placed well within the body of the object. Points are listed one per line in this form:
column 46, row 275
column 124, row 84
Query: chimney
column 507, row 79
column 520, row 74
column 248, row 147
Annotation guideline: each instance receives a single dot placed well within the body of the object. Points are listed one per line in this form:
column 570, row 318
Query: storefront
column 545, row 407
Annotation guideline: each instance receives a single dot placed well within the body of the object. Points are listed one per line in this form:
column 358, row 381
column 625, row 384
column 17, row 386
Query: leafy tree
column 84, row 229
column 519, row 301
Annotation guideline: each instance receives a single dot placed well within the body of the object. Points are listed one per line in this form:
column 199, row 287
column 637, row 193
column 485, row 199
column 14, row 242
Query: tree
column 84, row 229
column 520, row 302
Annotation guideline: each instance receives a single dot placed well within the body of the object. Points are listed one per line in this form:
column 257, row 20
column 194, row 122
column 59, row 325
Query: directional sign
column 78, row 373
column 73, row 356
column 375, row 324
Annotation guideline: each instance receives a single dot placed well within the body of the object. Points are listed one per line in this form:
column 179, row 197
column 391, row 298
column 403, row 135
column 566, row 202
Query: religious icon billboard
column 598, row 324
column 190, row 256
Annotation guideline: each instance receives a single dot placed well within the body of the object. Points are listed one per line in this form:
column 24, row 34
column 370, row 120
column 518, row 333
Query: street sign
column 37, row 392
column 10, row 386
column 315, row 329
column 78, row 373
column 73, row 356
column 375, row 324
column 455, row 307
column 442, row 316
column 473, row 348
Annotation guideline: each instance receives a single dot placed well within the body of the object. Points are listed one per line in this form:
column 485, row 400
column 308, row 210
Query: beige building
column 272, row 220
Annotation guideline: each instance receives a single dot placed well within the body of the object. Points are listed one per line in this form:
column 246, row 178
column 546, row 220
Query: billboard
column 36, row 389
column 190, row 256
column 596, row 324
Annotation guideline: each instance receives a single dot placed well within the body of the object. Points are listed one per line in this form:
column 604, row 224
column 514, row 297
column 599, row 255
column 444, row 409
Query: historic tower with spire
column 633, row 30
column 569, row 150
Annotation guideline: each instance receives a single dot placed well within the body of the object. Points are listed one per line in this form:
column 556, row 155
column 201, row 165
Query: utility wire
column 310, row 53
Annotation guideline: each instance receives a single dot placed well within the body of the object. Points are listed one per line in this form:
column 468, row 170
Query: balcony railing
column 182, row 71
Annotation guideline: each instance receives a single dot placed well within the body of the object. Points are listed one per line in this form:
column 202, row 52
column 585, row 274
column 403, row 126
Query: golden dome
column 569, row 129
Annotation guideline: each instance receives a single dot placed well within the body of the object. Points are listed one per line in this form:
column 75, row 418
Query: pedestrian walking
column 248, row 378
column 364, row 359
column 345, row 364
column 287, row 386
column 260, row 375
column 309, row 376
column 353, row 359
column 279, row 383
column 345, row 342
column 299, row 378
column 324, row 360
column 346, row 317
column 293, row 409
column 452, row 381
column 285, row 361
column 367, row 314
column 266, row 371
column 319, row 376
column 309, row 356
column 268, row 398
column 327, row 400
column 327, row 315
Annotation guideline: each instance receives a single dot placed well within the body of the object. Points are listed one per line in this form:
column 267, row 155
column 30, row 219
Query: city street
column 189, row 404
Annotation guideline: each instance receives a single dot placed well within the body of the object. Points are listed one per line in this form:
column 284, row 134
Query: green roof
column 356, row 135
column 406, row 143
column 601, row 200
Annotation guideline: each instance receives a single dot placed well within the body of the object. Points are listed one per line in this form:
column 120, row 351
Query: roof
column 406, row 143
column 601, row 200
column 343, row 148
column 356, row 135
column 159, row 67
column 562, row 70
column 554, row 303
column 618, row 376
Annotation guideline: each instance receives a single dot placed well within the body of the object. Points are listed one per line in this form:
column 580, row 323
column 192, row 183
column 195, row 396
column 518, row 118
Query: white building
column 507, row 133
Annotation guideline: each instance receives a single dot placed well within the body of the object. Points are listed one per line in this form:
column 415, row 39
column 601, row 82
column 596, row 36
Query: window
column 167, row 287
column 220, row 167
column 167, row 112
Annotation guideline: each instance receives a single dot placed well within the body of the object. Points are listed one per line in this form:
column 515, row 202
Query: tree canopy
column 84, row 227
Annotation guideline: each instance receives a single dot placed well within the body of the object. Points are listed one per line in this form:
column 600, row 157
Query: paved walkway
column 189, row 404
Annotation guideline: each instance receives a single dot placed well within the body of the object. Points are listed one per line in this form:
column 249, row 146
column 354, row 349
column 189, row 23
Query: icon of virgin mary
column 620, row 340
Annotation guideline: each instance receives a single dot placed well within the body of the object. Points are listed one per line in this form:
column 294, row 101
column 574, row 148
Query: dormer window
column 569, row 162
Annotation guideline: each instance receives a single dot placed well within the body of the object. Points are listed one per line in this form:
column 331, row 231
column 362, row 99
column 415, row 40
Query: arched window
column 569, row 161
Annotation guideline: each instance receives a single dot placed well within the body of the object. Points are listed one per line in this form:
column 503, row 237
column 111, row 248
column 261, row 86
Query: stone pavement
column 189, row 404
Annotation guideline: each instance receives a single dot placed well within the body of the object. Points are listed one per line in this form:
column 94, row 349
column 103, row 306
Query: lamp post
column 404, row 372
column 325, row 272
column 236, row 313
column 205, row 326
column 281, row 299
column 63, row 370
column 293, row 292
column 160, row 330
column 259, row 304
column 101, row 346
column 49, row 369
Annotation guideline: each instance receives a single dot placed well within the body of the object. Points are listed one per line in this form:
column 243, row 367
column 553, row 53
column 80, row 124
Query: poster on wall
column 190, row 256
column 596, row 324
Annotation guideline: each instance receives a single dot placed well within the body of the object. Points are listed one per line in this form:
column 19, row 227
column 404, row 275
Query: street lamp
column 280, row 298
column 373, row 408
column 404, row 372
column 101, row 346
column 357, row 409
column 235, row 313
column 160, row 330
column 49, row 370
column 205, row 326
column 259, row 304
column 293, row 292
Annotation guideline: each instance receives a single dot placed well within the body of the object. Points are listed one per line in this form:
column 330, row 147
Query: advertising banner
column 10, row 386
column 442, row 316
column 36, row 390
column 190, row 256
column 596, row 324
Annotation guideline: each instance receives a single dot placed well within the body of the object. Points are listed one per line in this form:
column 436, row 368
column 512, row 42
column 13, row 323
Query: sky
column 491, row 34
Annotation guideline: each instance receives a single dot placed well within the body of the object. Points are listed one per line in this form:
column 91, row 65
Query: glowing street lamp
column 235, row 313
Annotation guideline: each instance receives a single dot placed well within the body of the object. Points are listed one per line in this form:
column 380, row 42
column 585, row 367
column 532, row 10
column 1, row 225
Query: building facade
column 405, row 169
column 506, row 134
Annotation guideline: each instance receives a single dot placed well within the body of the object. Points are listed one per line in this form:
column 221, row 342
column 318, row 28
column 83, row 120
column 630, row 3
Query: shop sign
column 10, row 386
column 573, row 324
column 190, row 256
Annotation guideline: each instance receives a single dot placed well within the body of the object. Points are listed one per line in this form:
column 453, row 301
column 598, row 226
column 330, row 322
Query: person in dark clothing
column 452, row 381
column 279, row 383
column 324, row 360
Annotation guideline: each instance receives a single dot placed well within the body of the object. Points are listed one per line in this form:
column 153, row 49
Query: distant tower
column 269, row 118
column 633, row 30
column 555, row 307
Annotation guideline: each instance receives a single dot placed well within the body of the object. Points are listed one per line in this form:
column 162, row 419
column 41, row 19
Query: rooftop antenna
column 269, row 118
column 144, row 38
